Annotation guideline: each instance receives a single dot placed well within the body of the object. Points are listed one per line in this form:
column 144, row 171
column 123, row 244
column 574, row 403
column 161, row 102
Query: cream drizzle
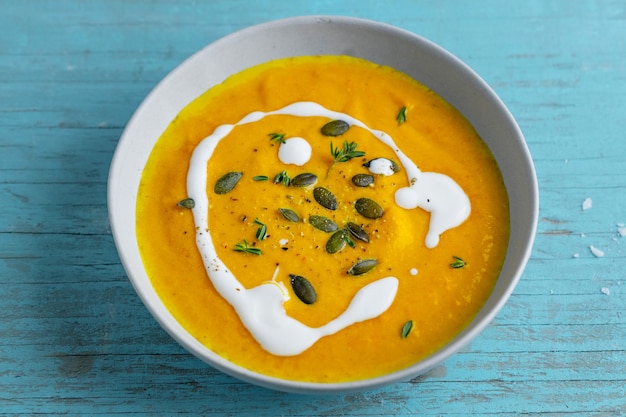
column 261, row 308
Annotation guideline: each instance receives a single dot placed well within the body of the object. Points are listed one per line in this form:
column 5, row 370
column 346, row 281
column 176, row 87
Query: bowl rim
column 120, row 223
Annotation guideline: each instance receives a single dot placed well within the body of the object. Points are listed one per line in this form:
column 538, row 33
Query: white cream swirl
column 261, row 308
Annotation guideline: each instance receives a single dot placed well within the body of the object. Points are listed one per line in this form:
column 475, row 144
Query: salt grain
column 621, row 229
column 606, row 291
column 587, row 203
column 596, row 252
column 576, row 255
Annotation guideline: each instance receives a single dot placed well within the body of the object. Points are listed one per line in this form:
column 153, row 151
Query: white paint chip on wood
column 587, row 203
column 596, row 252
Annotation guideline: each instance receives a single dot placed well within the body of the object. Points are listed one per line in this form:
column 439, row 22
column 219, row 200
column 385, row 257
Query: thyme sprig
column 345, row 153
column 278, row 138
column 247, row 248
column 458, row 263
column 261, row 232
column 282, row 177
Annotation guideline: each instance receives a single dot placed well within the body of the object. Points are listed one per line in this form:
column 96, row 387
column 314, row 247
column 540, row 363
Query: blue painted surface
column 74, row 337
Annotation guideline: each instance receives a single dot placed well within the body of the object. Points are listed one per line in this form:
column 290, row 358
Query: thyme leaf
column 401, row 117
column 347, row 238
column 406, row 329
column 260, row 178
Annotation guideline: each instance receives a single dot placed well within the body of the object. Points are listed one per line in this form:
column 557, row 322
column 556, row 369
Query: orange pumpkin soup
column 322, row 219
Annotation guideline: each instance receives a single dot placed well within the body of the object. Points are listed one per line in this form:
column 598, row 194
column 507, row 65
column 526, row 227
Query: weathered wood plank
column 76, row 340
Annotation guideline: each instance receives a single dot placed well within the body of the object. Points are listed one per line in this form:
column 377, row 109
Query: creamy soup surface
column 322, row 219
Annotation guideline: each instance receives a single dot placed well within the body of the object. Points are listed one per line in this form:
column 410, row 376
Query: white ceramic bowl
column 322, row 35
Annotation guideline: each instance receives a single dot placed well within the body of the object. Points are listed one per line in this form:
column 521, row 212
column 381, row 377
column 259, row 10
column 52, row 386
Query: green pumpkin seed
column 336, row 242
column 303, row 289
column 362, row 267
column 304, row 180
column 289, row 214
column 335, row 128
column 358, row 232
column 325, row 198
column 227, row 182
column 323, row 223
column 368, row 208
column 187, row 203
column 363, row 180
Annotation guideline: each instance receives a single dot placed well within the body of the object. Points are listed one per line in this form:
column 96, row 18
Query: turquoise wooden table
column 76, row 340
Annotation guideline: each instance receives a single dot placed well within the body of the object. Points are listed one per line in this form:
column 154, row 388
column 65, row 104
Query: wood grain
column 76, row 340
